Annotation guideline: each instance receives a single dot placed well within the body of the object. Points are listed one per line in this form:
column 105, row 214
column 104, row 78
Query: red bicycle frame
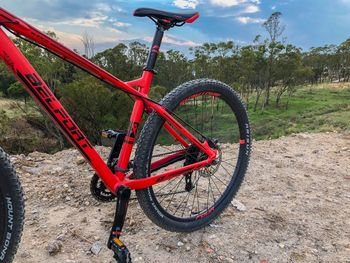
column 37, row 88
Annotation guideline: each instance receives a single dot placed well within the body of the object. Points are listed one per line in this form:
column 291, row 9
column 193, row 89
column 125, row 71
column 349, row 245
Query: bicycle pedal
column 121, row 252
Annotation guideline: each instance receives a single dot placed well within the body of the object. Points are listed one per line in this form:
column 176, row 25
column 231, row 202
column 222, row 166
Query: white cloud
column 68, row 39
column 250, row 9
column 184, row 4
column 249, row 20
column 273, row 7
column 94, row 21
column 122, row 24
column 228, row 3
column 170, row 39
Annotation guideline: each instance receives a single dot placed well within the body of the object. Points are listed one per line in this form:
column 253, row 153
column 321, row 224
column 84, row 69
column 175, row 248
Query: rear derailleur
column 194, row 155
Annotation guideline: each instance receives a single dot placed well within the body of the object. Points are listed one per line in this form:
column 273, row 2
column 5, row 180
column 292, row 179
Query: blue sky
column 308, row 22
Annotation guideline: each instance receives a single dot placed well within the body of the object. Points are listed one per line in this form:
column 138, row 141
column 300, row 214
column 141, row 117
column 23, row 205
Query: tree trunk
column 257, row 100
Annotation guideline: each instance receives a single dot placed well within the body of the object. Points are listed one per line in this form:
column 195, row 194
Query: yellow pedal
column 118, row 242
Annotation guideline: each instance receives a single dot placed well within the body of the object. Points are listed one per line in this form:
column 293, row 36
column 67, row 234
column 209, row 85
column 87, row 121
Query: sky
column 308, row 23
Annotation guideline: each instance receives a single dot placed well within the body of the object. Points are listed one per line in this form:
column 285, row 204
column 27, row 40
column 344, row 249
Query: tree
column 95, row 107
column 275, row 29
column 16, row 90
column 89, row 45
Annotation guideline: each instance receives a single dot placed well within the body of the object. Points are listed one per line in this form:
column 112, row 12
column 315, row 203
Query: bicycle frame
column 37, row 88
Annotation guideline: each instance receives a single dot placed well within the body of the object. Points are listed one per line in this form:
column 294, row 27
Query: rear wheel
column 11, row 209
column 212, row 111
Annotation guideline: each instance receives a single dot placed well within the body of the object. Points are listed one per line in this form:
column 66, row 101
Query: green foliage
column 95, row 107
column 16, row 90
column 325, row 108
column 157, row 92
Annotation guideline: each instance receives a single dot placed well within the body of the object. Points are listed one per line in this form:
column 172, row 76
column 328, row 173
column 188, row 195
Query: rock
column 188, row 248
column 54, row 247
column 61, row 237
column 96, row 248
column 80, row 160
column 180, row 244
column 65, row 185
column 25, row 254
column 238, row 205
column 279, row 165
column 132, row 222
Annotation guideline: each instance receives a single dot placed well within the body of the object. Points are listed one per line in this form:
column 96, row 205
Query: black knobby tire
column 11, row 209
column 148, row 137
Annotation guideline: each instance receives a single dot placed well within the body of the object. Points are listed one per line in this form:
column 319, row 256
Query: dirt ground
column 296, row 208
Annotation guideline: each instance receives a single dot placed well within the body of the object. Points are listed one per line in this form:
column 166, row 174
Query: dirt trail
column 296, row 194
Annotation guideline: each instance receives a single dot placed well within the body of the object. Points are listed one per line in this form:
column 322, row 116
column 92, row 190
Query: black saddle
column 167, row 17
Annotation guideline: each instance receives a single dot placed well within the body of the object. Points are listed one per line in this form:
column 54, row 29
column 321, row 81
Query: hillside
column 296, row 196
column 317, row 108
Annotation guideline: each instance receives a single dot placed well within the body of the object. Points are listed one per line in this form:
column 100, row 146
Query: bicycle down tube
column 27, row 75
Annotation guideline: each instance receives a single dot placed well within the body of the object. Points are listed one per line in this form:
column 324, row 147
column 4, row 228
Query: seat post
column 154, row 51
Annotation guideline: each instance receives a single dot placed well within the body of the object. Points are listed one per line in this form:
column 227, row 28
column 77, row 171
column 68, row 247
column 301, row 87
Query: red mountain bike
column 191, row 155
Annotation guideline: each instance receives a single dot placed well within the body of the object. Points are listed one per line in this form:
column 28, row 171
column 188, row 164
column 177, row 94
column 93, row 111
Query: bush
column 95, row 107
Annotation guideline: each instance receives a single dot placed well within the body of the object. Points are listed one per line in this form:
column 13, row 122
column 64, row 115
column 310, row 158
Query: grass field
column 317, row 109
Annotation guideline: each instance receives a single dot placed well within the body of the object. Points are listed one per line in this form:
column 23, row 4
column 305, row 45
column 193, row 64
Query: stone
column 96, row 248
column 180, row 244
column 54, row 247
column 80, row 160
column 238, row 205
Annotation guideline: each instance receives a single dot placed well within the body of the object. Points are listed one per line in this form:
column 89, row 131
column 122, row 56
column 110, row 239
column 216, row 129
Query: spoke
column 217, row 187
column 208, row 198
column 230, row 175
column 180, row 192
column 182, row 202
column 188, row 198
column 228, row 163
column 194, row 198
column 177, row 208
column 212, row 192
column 176, row 185
column 172, row 197
column 219, row 180
column 170, row 182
